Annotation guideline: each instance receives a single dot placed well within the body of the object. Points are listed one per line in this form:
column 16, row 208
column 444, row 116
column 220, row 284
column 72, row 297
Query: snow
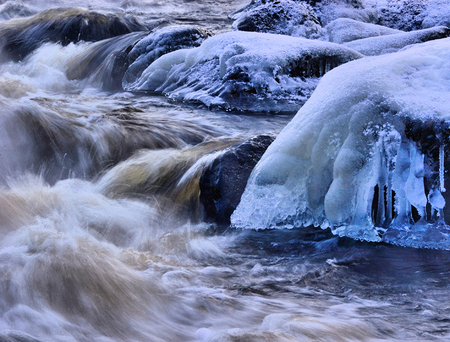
column 244, row 71
column 344, row 30
column 350, row 139
column 386, row 44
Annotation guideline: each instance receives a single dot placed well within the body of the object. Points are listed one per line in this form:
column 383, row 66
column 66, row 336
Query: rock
column 244, row 71
column 224, row 181
column 19, row 37
column 159, row 43
column 282, row 17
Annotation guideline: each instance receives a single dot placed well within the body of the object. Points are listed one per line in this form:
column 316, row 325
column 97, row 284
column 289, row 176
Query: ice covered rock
column 329, row 10
column 325, row 10
column 287, row 17
column 159, row 43
column 411, row 15
column 386, row 44
column 245, row 71
column 365, row 155
column 344, row 30
column 21, row 36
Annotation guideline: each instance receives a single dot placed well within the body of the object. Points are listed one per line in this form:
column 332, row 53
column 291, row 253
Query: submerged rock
column 19, row 37
column 365, row 156
column 344, row 30
column 282, row 17
column 223, row 182
column 387, row 44
column 105, row 62
column 257, row 72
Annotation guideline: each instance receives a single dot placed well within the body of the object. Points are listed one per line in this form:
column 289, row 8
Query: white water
column 101, row 238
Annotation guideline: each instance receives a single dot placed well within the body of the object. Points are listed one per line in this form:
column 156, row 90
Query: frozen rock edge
column 365, row 156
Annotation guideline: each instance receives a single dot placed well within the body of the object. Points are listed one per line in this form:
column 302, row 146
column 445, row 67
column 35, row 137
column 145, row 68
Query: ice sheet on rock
column 287, row 17
column 364, row 154
column 392, row 43
column 245, row 71
column 344, row 30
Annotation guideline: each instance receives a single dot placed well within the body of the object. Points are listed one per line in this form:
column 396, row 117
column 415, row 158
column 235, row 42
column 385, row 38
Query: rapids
column 103, row 231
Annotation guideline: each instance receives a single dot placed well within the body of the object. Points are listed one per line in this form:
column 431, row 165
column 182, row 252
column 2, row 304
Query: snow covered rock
column 344, row 30
column 160, row 42
column 386, row 44
column 245, row 71
column 365, row 155
column 287, row 17
column 411, row 15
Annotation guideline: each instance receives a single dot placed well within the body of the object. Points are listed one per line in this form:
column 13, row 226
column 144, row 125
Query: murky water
column 101, row 233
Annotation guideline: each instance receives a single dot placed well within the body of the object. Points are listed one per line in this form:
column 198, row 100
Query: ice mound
column 344, row 30
column 386, row 44
column 365, row 155
column 287, row 17
column 244, row 71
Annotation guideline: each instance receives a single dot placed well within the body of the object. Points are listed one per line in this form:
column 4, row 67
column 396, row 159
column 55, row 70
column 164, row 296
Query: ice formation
column 245, row 70
column 374, row 46
column 344, row 30
column 365, row 155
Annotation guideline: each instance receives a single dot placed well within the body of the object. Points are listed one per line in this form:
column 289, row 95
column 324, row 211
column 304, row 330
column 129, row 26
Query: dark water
column 101, row 237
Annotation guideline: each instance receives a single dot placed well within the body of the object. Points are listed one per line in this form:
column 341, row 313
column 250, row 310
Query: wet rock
column 19, row 37
column 224, row 181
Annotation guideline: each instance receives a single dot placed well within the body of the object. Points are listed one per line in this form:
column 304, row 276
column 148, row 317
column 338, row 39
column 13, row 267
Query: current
column 113, row 112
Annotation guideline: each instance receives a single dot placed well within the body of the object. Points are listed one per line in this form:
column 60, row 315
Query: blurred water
column 92, row 249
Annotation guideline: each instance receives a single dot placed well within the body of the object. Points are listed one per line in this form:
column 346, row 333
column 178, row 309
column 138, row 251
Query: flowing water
column 101, row 232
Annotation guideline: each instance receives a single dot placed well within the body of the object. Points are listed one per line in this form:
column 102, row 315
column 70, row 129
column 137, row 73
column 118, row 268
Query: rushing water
column 101, row 233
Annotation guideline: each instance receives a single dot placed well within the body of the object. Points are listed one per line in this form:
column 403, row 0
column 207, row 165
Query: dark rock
column 19, row 37
column 224, row 181
column 282, row 17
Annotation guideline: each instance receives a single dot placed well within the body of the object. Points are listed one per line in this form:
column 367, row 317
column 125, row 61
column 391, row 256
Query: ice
column 391, row 43
column 364, row 156
column 244, row 71
column 344, row 30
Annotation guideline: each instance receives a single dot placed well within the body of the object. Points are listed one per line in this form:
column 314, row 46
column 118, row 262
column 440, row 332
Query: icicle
column 441, row 168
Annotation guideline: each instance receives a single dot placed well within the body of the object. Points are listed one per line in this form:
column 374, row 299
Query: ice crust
column 374, row 46
column 244, row 71
column 344, row 30
column 349, row 160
